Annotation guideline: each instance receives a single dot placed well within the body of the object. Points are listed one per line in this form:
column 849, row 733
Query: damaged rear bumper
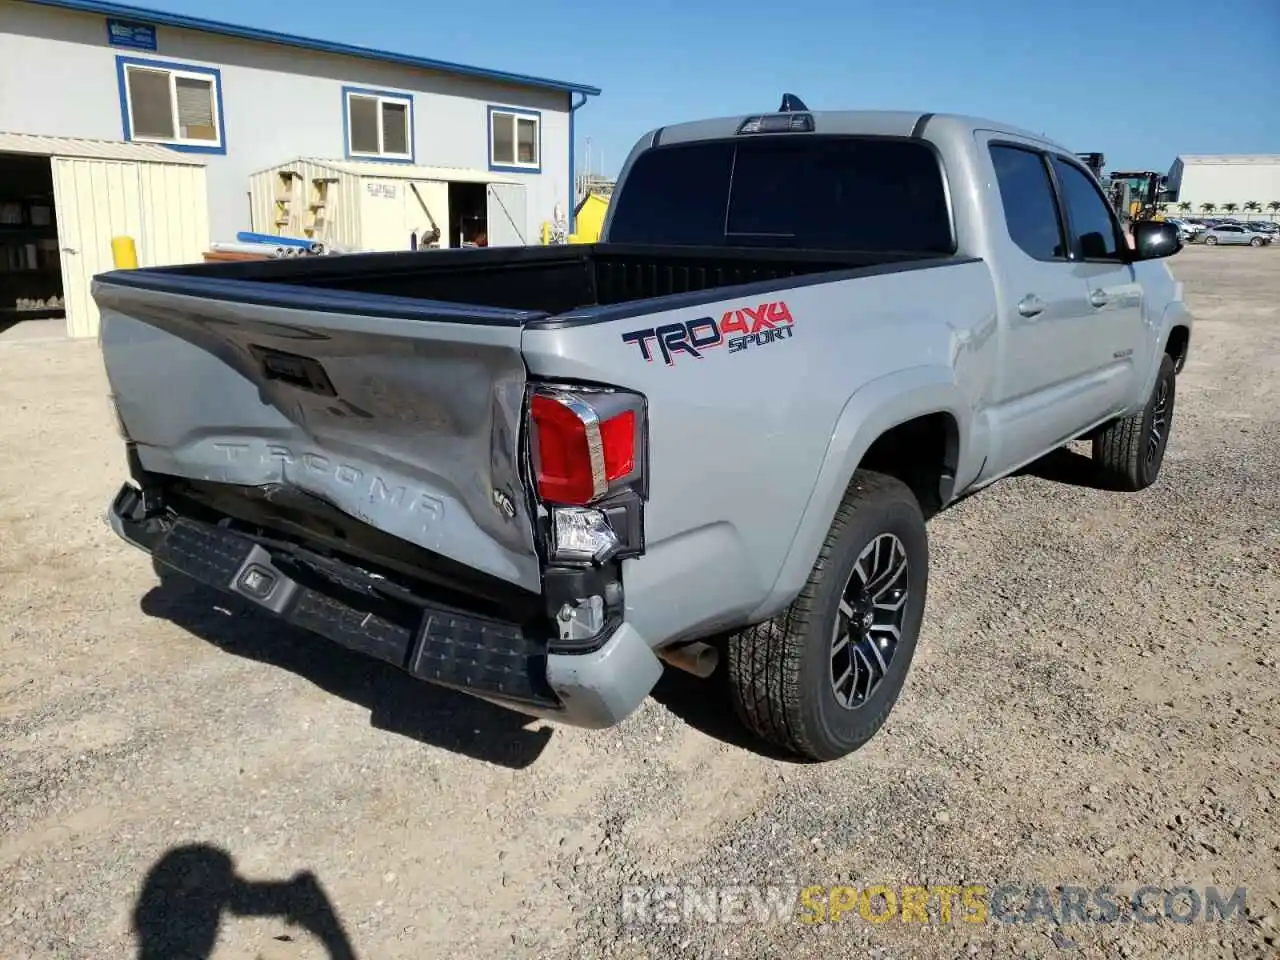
column 503, row 662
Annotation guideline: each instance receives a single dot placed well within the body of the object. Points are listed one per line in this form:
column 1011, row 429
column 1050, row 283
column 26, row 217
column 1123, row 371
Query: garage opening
column 30, row 264
column 468, row 215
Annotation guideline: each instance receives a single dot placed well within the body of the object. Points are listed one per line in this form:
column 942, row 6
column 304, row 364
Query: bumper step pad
column 446, row 646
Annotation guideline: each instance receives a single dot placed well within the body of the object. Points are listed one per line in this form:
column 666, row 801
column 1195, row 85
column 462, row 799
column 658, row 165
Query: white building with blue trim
column 243, row 100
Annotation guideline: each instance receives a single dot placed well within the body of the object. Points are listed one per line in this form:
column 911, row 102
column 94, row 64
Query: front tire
column 820, row 678
column 1211, row 241
column 1129, row 452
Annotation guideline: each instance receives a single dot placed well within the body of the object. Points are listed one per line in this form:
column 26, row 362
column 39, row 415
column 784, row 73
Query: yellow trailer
column 589, row 217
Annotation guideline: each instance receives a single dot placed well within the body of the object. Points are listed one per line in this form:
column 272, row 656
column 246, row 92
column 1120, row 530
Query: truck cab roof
column 885, row 123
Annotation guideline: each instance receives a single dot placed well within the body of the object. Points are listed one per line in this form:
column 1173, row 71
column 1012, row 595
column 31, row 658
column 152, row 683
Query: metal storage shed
column 366, row 205
column 103, row 189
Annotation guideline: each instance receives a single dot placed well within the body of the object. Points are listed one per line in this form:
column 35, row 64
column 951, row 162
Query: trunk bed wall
column 537, row 279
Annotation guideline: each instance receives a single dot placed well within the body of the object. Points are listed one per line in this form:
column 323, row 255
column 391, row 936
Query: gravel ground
column 1094, row 702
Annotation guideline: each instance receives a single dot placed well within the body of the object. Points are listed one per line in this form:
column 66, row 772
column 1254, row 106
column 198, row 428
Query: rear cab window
column 802, row 191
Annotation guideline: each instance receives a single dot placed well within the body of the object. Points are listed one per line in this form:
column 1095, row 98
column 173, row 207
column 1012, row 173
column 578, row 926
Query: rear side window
column 1093, row 230
column 675, row 195
column 1030, row 211
column 806, row 192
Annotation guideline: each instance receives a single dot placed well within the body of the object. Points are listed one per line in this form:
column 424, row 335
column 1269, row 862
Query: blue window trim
column 509, row 167
column 346, row 124
column 122, row 62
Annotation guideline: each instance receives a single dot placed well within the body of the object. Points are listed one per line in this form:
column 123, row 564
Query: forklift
column 1140, row 196
column 1094, row 162
column 1133, row 195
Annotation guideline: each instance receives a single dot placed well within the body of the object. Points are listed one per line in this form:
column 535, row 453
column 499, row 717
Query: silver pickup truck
column 710, row 441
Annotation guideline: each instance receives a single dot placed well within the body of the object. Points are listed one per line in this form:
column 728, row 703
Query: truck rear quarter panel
column 751, row 446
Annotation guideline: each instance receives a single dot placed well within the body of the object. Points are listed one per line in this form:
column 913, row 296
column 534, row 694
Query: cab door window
column 1095, row 235
column 1030, row 210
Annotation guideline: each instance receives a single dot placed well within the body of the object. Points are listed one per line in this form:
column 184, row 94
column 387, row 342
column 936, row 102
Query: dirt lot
column 1095, row 701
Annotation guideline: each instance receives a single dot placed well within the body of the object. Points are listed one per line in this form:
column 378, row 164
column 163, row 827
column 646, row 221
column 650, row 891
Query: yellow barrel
column 124, row 253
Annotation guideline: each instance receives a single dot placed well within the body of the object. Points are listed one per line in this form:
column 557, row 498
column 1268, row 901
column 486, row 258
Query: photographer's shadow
column 396, row 701
column 186, row 893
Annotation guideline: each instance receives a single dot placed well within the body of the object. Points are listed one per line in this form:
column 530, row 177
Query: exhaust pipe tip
column 699, row 659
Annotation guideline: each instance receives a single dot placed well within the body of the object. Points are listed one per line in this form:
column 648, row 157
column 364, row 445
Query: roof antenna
column 791, row 103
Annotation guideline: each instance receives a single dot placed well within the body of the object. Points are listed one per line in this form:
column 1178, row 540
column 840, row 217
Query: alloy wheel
column 868, row 625
column 1159, row 421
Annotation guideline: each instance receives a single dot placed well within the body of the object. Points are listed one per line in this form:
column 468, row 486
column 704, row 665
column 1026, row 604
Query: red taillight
column 583, row 445
column 617, row 435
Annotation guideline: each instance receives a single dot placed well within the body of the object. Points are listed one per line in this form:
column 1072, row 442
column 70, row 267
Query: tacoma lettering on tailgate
column 373, row 491
column 740, row 328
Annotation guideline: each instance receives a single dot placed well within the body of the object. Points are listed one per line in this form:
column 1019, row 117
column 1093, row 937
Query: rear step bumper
column 488, row 658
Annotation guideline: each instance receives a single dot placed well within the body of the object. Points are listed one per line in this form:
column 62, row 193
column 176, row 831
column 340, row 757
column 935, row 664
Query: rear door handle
column 1098, row 298
column 1030, row 305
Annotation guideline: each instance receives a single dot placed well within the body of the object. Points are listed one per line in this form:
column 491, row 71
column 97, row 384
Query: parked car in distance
column 1235, row 233
column 1186, row 228
column 1201, row 226
column 541, row 474
column 1264, row 226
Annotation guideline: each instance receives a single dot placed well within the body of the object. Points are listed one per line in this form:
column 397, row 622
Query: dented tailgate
column 404, row 414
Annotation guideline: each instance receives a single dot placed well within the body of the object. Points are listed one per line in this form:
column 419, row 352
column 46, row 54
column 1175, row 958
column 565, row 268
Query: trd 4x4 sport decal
column 739, row 328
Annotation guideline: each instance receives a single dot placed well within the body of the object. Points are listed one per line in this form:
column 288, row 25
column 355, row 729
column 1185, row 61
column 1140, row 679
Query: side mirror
column 1153, row 239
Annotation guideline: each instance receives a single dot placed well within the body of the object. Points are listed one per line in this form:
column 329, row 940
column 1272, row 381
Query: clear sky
column 1140, row 82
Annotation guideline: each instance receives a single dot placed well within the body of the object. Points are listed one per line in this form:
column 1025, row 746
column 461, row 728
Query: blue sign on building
column 126, row 33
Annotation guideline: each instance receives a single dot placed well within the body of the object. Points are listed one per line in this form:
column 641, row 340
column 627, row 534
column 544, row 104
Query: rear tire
column 1255, row 242
column 792, row 680
column 1129, row 452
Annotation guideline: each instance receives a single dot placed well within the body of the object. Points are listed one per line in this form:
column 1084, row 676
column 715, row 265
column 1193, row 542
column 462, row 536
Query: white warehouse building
column 1241, row 179
column 142, row 98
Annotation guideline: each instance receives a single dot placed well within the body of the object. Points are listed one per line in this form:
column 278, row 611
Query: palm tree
column 1208, row 207
column 1274, row 207
column 1229, row 207
column 1252, row 206
column 1185, row 206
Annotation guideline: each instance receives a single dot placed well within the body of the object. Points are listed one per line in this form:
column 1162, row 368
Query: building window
column 171, row 103
column 515, row 139
column 379, row 124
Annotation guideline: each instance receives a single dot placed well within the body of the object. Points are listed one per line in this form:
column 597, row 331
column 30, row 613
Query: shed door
column 382, row 216
column 426, row 206
column 507, row 223
column 94, row 200
column 175, row 214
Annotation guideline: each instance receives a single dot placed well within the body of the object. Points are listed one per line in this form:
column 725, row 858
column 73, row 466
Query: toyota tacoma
column 711, row 440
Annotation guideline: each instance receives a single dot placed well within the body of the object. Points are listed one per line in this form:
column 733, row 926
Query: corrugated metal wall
column 175, row 214
column 164, row 207
column 94, row 200
column 371, row 206
column 341, row 210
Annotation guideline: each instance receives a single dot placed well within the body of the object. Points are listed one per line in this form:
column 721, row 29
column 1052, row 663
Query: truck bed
column 536, row 282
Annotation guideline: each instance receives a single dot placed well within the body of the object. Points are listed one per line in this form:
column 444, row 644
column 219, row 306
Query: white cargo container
column 371, row 205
